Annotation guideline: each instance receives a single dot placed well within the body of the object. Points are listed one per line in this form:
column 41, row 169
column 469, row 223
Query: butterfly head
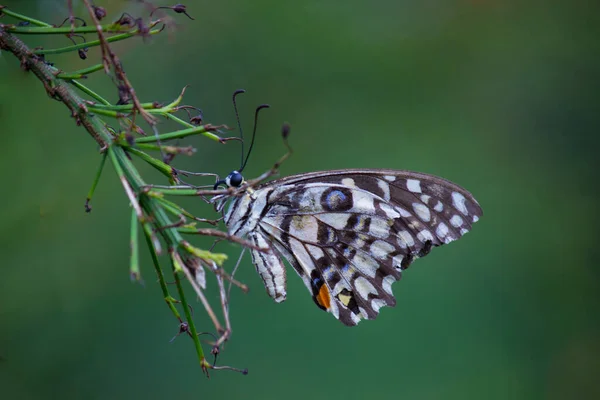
column 234, row 179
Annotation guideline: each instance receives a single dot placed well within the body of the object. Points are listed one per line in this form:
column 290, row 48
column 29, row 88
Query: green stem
column 24, row 18
column 161, row 278
column 91, row 43
column 178, row 120
column 65, row 30
column 89, row 92
column 167, row 149
column 179, row 134
column 82, row 73
column 174, row 208
column 175, row 192
column 106, row 113
column 164, row 168
column 124, row 107
column 95, row 182
column 134, row 268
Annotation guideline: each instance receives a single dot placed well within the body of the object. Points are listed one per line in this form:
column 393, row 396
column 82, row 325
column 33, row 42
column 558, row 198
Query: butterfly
column 348, row 234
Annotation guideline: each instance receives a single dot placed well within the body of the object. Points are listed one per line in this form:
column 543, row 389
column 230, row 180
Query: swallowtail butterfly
column 349, row 233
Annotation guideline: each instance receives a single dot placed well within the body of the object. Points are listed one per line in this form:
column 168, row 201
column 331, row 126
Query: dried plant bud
column 196, row 120
column 181, row 9
column 124, row 95
column 99, row 12
column 285, row 130
column 83, row 53
column 178, row 8
column 125, row 20
column 143, row 29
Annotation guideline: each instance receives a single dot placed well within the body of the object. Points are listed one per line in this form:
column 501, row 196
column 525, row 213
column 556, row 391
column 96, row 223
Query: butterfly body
column 348, row 234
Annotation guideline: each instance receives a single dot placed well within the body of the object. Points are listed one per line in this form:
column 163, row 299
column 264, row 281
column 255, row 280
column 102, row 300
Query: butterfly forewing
column 349, row 233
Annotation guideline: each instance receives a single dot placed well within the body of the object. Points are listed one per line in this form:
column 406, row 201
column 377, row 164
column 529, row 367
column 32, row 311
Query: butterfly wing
column 350, row 233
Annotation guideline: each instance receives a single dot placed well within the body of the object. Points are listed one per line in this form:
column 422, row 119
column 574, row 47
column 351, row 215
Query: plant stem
column 134, row 268
column 52, row 30
column 24, row 18
column 91, row 43
column 95, row 182
column 82, row 73
column 89, row 92
column 180, row 134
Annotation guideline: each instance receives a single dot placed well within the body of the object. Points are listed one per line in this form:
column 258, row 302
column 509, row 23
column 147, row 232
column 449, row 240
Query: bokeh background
column 500, row 96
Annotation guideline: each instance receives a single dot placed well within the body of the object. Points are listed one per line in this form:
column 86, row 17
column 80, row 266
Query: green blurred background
column 498, row 96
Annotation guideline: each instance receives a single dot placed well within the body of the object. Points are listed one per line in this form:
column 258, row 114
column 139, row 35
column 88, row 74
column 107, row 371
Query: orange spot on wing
column 323, row 297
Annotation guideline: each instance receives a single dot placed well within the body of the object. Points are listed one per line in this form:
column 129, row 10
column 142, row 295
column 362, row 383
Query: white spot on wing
column 389, row 178
column 335, row 220
column 389, row 211
column 379, row 227
column 298, row 250
column 397, row 261
column 425, row 198
column 458, row 201
column 315, row 252
column 348, row 182
column 456, row 221
column 304, row 227
column 385, row 188
column 380, row 249
column 424, row 236
column 413, row 185
column 475, row 218
column 364, row 287
column 442, row 230
column 422, row 211
column 403, row 212
column 362, row 202
column 439, row 207
column 405, row 239
column 386, row 284
column 376, row 304
column 367, row 265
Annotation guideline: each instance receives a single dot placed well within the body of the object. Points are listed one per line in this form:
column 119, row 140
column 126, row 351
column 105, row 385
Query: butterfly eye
column 234, row 179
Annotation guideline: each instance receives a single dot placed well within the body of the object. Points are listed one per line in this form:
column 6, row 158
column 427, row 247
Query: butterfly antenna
column 237, row 118
column 253, row 133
